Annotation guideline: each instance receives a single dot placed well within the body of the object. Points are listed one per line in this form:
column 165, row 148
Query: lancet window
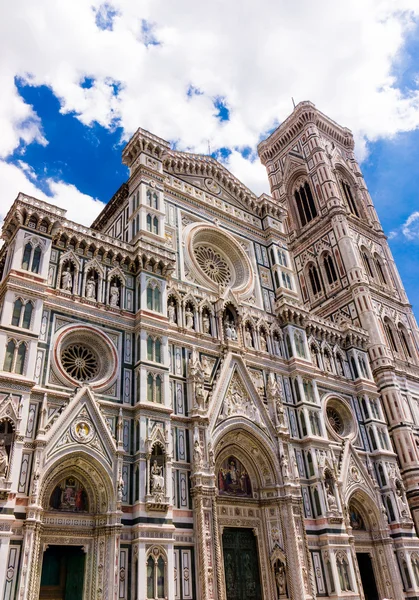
column 22, row 313
column 14, row 360
column 305, row 204
column 349, row 198
column 31, row 258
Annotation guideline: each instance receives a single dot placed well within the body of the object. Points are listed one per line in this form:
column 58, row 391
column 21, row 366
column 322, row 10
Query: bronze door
column 241, row 564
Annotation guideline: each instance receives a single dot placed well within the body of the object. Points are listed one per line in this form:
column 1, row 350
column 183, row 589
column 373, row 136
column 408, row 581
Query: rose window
column 80, row 362
column 335, row 420
column 83, row 353
column 213, row 264
column 214, row 258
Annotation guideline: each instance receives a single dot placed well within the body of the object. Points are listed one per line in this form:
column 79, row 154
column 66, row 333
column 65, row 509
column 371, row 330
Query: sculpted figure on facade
column 4, row 459
column 67, row 280
column 280, row 580
column 189, row 318
column 206, row 324
column 171, row 312
column 157, row 478
column 114, row 295
column 91, row 288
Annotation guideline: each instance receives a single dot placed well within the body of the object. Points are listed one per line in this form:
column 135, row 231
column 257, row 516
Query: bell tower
column 344, row 265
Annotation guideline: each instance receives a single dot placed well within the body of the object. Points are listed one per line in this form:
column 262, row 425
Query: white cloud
column 256, row 56
column 410, row 227
column 80, row 207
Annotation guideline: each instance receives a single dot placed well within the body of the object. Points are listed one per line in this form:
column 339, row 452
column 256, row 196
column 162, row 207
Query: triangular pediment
column 236, row 397
column 292, row 163
column 353, row 474
column 9, row 407
column 81, row 426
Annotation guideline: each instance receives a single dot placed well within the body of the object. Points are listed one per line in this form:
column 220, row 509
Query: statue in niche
column 331, row 498
column 206, row 324
column 230, row 330
column 197, row 454
column 4, row 459
column 189, row 318
column 69, row 496
column 263, row 343
column 284, row 466
column 401, row 502
column 91, row 288
column 233, row 479
column 248, row 338
column 114, row 295
column 206, row 367
column 67, row 280
column 157, row 479
column 171, row 312
column 276, row 345
column 280, row 579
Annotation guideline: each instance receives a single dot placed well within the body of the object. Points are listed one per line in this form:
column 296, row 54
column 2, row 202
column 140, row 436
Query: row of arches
column 399, row 340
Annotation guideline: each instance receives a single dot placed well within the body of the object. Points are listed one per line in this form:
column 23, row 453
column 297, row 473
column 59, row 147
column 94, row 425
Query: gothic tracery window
column 305, row 204
column 313, row 275
column 14, row 360
column 31, row 258
column 329, row 267
column 349, row 198
column 154, row 349
column 153, row 296
column 22, row 314
column 156, row 575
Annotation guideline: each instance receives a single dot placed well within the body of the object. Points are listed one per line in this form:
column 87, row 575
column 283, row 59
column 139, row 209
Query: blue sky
column 79, row 79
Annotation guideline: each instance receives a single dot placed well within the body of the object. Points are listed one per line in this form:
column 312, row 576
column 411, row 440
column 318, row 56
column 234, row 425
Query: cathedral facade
column 209, row 395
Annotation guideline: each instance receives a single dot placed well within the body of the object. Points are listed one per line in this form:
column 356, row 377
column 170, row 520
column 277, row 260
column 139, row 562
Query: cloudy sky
column 77, row 79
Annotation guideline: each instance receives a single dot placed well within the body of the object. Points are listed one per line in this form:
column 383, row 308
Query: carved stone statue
column 4, row 460
column 205, row 323
column 67, row 280
column 263, row 344
column 206, row 367
column 121, row 486
column 189, row 318
column 402, row 504
column 157, row 479
column 230, row 331
column 284, row 466
column 280, row 413
column 171, row 312
column 331, row 499
column 281, row 581
column 91, row 288
column 114, row 295
column 248, row 338
column 197, row 454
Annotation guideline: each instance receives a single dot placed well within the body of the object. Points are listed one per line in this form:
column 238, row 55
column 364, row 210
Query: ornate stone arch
column 367, row 507
column 69, row 257
column 94, row 265
column 96, row 481
column 251, row 448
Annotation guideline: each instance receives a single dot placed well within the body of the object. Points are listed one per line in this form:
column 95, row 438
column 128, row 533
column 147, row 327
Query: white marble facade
column 202, row 368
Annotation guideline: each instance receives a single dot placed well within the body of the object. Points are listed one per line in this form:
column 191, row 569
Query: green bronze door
column 241, row 564
column 62, row 573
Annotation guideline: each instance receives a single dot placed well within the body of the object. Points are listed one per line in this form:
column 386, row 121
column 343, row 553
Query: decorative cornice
column 303, row 114
column 111, row 207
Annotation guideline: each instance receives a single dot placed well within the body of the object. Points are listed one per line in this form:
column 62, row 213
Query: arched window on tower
column 313, row 275
column 404, row 336
column 349, row 198
column 390, row 336
column 22, row 314
column 156, row 575
column 380, row 269
column 31, row 258
column 149, row 221
column 305, row 204
column 367, row 263
column 329, row 267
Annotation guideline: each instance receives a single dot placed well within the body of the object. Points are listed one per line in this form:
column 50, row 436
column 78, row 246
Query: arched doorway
column 243, row 471
column 369, row 534
column 76, row 499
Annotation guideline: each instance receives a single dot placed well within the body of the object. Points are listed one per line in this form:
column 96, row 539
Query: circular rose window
column 216, row 259
column 80, row 362
column 84, row 354
column 213, row 264
column 339, row 419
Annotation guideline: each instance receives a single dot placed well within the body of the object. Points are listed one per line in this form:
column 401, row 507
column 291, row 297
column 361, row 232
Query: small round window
column 339, row 418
